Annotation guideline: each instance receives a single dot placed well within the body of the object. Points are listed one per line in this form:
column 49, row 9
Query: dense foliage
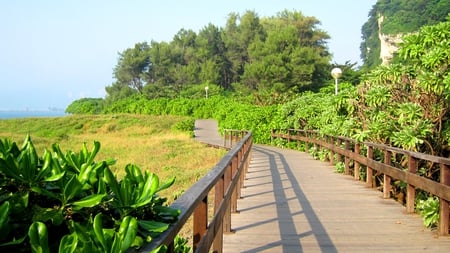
column 86, row 106
column 399, row 17
column 70, row 203
column 286, row 53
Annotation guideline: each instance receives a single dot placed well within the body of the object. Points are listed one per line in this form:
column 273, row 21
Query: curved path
column 293, row 203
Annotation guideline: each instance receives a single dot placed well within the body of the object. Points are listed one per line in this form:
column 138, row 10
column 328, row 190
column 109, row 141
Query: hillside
column 389, row 20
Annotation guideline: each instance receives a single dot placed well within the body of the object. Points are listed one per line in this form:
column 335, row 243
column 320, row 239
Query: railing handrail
column 428, row 157
column 227, row 177
column 341, row 146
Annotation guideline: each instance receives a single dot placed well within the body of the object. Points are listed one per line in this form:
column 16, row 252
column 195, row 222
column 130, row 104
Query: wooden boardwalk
column 293, row 203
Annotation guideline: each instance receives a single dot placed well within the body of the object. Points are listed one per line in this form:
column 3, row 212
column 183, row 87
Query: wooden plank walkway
column 293, row 203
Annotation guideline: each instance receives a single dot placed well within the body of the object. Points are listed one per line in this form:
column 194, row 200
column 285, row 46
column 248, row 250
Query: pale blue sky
column 53, row 52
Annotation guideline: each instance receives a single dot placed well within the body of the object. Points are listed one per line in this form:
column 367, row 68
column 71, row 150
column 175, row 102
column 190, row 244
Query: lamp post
column 206, row 91
column 336, row 73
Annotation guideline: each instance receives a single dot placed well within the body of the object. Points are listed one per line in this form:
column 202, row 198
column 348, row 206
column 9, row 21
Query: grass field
column 149, row 142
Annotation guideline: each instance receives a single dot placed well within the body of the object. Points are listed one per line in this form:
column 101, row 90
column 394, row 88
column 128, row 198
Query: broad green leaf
column 38, row 237
column 127, row 232
column 71, row 189
column 98, row 231
column 168, row 213
column 73, row 160
column 134, row 171
column 68, row 243
column 116, row 246
column 9, row 167
column 111, row 181
column 167, row 184
column 46, row 167
column 95, row 149
column 153, row 226
column 126, row 192
column 150, row 187
column 89, row 201
column 83, row 177
column 28, row 161
column 54, row 177
column 4, row 219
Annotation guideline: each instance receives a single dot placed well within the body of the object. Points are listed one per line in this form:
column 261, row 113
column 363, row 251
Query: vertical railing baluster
column 444, row 212
column 346, row 158
column 369, row 172
column 410, row 189
column 357, row 165
column 234, row 166
column 227, row 216
column 338, row 155
column 200, row 222
column 219, row 192
column 332, row 141
column 386, row 178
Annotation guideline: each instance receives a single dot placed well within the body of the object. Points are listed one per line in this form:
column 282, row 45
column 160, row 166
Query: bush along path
column 70, row 203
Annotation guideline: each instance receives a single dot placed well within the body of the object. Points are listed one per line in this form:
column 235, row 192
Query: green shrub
column 71, row 203
column 429, row 210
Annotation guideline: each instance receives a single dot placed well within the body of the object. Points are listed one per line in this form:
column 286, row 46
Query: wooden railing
column 225, row 181
column 392, row 164
column 231, row 136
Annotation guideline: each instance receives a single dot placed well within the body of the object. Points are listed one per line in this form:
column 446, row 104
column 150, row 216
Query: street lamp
column 336, row 73
column 206, row 91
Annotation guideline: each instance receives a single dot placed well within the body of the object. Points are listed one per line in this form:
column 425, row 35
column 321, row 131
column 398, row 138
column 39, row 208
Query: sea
column 10, row 114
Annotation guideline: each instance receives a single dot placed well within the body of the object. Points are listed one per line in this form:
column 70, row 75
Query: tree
column 214, row 66
column 293, row 54
column 132, row 66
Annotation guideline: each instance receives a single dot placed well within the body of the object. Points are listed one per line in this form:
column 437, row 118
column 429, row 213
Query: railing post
column 410, row 189
column 369, row 172
column 227, row 216
column 444, row 211
column 326, row 158
column 306, row 135
column 224, row 137
column 234, row 167
column 339, row 156
column 332, row 142
column 219, row 192
column 289, row 137
column 357, row 165
column 315, row 145
column 387, row 179
column 346, row 158
column 240, row 181
column 200, row 221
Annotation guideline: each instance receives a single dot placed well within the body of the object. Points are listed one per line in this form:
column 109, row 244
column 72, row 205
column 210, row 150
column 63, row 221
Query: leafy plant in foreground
column 70, row 203
column 429, row 210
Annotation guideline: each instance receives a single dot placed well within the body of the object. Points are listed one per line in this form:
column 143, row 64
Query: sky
column 53, row 52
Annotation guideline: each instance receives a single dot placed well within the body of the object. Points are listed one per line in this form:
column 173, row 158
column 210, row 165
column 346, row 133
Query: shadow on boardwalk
column 293, row 203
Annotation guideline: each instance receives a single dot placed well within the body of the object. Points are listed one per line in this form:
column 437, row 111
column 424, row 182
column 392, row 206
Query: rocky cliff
column 388, row 43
